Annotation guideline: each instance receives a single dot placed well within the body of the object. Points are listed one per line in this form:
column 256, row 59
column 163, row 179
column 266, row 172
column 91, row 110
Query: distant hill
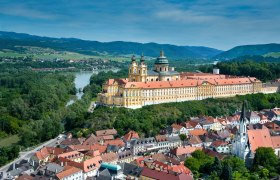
column 261, row 49
column 13, row 41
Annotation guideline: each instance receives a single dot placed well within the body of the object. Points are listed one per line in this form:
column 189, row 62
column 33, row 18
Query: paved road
column 27, row 154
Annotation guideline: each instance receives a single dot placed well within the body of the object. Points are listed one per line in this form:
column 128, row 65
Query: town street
column 27, row 154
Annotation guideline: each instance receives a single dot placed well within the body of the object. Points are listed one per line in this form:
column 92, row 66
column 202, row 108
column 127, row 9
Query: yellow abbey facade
column 163, row 84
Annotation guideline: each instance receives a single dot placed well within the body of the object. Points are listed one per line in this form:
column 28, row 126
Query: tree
column 227, row 172
column 265, row 158
column 182, row 137
column 217, row 166
column 237, row 164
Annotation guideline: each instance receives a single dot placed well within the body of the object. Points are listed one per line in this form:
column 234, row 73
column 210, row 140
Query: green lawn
column 9, row 140
column 273, row 54
column 66, row 56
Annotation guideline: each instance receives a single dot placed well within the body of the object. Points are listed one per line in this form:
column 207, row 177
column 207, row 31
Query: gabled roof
column 154, row 174
column 106, row 132
column 160, row 138
column 109, row 157
column 259, row 138
column 177, row 126
column 275, row 141
column 68, row 171
column 116, row 142
column 195, row 140
column 184, row 150
column 197, row 132
column 131, row 135
column 218, row 143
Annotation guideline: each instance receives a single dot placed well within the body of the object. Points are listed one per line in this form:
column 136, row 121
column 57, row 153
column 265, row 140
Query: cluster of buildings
column 163, row 84
column 106, row 155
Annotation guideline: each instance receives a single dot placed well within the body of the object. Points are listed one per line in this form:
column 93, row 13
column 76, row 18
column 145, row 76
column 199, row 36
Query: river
column 82, row 79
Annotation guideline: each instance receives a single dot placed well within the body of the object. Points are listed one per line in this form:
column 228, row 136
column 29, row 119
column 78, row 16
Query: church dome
column 162, row 59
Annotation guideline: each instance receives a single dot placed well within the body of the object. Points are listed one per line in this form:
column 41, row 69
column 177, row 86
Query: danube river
column 82, row 79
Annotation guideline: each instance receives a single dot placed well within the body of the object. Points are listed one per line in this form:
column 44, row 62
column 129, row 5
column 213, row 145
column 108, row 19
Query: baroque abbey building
column 163, row 84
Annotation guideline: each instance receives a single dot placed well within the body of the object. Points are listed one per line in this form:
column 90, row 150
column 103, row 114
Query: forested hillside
column 15, row 41
column 264, row 71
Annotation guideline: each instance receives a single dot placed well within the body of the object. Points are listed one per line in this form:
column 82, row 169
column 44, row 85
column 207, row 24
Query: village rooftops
column 154, row 174
column 106, row 132
column 68, row 171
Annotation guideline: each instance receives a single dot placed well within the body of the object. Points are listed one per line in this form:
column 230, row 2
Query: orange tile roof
column 197, row 132
column 218, row 143
column 68, row 171
column 93, row 153
column 101, row 148
column 131, row 135
column 259, row 138
column 177, row 126
column 116, row 142
column 87, row 165
column 47, row 151
column 106, row 132
column 184, row 83
column 109, row 157
column 187, row 125
column 71, row 154
column 160, row 138
column 275, row 141
column 184, row 150
column 181, row 169
column 195, row 140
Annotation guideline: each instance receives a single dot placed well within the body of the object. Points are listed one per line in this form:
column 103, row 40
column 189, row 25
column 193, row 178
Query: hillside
column 14, row 41
column 261, row 49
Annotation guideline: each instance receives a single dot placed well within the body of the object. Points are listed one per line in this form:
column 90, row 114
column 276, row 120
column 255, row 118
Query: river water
column 82, row 79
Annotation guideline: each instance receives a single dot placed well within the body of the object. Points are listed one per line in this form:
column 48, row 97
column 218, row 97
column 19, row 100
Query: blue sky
column 220, row 24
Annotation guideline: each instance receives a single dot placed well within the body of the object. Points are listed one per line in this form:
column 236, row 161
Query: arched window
column 160, row 69
column 167, row 79
column 165, row 69
column 152, row 79
column 147, row 80
column 157, row 79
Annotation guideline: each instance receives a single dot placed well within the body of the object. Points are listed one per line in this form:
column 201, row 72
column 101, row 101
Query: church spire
column 161, row 53
column 142, row 58
column 243, row 112
column 133, row 58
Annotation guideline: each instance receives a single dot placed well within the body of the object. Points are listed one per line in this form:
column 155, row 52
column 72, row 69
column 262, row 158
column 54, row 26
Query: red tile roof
column 68, row 171
column 218, row 143
column 154, row 174
column 275, row 141
column 131, row 135
column 160, row 138
column 106, row 132
column 259, row 138
column 109, row 157
column 197, row 132
column 184, row 150
column 176, row 126
column 116, row 142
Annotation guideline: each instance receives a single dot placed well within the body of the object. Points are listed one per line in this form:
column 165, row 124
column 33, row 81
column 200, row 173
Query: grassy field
column 273, row 54
column 65, row 56
column 8, row 141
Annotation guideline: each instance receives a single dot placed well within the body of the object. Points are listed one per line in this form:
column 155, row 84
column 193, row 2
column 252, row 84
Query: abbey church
column 162, row 84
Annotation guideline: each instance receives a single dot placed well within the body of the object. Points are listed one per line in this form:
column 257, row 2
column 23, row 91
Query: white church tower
column 240, row 143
